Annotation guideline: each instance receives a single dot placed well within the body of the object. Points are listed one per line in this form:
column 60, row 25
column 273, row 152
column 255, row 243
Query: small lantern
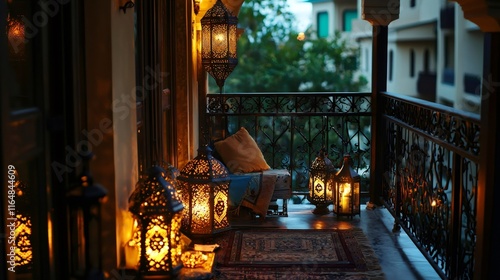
column 347, row 188
column 321, row 183
column 157, row 210
column 219, row 38
column 23, row 235
column 204, row 191
column 85, row 223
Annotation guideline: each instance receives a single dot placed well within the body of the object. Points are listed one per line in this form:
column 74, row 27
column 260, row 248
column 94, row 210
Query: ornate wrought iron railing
column 430, row 179
column 290, row 128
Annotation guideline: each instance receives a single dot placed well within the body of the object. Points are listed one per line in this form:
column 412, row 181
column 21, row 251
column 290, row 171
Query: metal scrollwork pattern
column 431, row 180
column 291, row 128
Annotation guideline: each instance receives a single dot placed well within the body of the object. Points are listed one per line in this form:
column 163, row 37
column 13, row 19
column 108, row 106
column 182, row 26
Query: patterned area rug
column 296, row 254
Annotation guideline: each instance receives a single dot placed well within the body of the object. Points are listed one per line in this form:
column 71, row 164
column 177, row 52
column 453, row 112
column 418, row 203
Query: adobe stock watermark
column 49, row 9
column 121, row 108
column 11, row 218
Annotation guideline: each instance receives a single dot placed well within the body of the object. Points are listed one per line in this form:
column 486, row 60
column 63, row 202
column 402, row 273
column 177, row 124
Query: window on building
column 426, row 61
column 413, row 3
column 391, row 54
column 449, row 60
column 322, row 24
column 348, row 17
column 412, row 63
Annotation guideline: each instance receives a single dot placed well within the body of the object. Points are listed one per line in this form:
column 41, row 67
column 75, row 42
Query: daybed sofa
column 254, row 184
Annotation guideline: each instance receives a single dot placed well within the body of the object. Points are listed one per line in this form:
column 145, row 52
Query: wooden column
column 379, row 13
column 486, row 14
column 488, row 192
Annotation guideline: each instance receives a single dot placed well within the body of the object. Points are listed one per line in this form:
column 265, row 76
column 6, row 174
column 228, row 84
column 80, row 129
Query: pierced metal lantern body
column 23, row 228
column 347, row 190
column 321, row 183
column 158, row 213
column 219, row 38
column 204, row 191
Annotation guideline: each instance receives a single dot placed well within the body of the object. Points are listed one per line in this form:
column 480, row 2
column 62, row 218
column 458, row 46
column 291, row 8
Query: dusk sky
column 302, row 11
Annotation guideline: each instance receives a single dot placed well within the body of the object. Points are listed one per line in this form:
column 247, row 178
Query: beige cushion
column 240, row 153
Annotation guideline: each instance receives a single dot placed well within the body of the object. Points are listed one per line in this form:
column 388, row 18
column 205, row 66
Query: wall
column 124, row 120
column 110, row 75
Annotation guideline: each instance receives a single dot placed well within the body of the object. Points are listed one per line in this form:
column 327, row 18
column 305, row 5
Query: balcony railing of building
column 291, row 128
column 430, row 179
column 431, row 157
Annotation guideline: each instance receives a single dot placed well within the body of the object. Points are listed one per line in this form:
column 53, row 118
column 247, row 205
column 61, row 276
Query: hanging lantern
column 219, row 38
column 347, row 188
column 321, row 183
column 204, row 191
column 157, row 210
column 85, row 223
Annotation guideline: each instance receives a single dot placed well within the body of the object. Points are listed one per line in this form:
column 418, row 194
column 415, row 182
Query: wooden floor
column 397, row 254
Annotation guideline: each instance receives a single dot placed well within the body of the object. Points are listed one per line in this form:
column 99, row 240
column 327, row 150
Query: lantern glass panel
column 24, row 252
column 221, row 192
column 201, row 222
column 347, row 188
column 160, row 238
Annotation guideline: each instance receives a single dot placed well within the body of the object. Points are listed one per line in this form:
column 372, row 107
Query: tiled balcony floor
column 398, row 256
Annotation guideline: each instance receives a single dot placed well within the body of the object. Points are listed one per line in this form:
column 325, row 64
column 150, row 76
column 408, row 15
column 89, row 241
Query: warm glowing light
column 345, row 191
column 347, row 197
column 193, row 259
column 156, row 239
column 219, row 42
column 220, row 37
column 16, row 36
column 321, row 183
column 433, row 203
column 204, row 190
column 24, row 249
column 301, row 36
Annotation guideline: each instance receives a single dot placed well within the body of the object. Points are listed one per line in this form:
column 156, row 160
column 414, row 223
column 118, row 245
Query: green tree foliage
column 272, row 59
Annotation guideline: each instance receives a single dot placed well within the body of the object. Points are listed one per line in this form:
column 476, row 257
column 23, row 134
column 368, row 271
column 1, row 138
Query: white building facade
column 433, row 52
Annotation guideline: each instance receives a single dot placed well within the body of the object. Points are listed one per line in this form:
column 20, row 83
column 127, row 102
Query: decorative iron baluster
column 291, row 128
column 431, row 180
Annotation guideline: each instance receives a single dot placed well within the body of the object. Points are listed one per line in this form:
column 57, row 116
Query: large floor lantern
column 321, row 183
column 219, row 38
column 204, row 190
column 158, row 211
column 347, row 190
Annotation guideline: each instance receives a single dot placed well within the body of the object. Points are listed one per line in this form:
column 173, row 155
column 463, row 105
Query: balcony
column 429, row 153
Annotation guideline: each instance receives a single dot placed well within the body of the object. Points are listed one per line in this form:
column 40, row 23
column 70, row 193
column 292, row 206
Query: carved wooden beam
column 233, row 5
column 380, row 12
column 484, row 13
